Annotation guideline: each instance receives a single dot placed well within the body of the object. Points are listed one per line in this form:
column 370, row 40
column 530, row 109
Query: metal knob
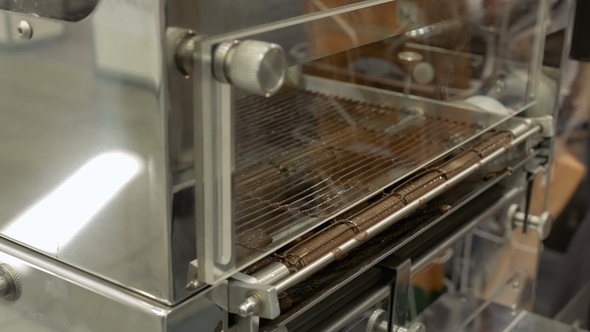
column 10, row 284
column 252, row 66
column 378, row 323
column 251, row 306
column 542, row 224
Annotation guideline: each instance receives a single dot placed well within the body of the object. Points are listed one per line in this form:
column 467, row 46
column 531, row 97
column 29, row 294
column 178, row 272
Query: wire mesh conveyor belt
column 343, row 230
column 341, row 236
column 302, row 156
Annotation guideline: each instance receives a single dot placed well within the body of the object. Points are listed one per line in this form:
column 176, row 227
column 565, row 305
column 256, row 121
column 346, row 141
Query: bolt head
column 24, row 30
column 516, row 285
column 251, row 306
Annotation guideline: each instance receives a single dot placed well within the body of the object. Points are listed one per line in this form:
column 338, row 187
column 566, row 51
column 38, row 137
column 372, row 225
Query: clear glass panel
column 493, row 270
column 426, row 287
column 374, row 92
column 495, row 259
column 465, row 312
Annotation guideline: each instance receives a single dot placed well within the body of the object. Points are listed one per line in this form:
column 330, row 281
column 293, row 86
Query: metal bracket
column 192, row 277
column 547, row 124
column 248, row 298
column 535, row 166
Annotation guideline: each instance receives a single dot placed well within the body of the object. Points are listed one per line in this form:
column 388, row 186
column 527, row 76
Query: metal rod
column 271, row 273
column 348, row 246
column 465, row 263
column 305, row 272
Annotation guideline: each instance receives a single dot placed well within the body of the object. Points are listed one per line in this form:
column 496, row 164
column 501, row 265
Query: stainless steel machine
column 227, row 165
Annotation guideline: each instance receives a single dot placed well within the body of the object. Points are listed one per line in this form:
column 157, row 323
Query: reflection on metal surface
column 66, row 10
column 11, row 287
column 141, row 62
column 58, row 298
column 60, row 107
column 56, row 218
column 21, row 30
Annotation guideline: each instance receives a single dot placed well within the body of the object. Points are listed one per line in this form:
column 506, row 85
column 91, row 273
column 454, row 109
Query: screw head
column 193, row 285
column 251, row 306
column 24, row 30
column 516, row 285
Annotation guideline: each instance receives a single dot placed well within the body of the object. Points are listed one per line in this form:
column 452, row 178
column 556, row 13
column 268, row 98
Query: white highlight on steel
column 54, row 220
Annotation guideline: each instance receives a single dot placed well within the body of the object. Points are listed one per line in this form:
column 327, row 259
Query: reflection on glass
column 339, row 134
column 374, row 93
column 56, row 218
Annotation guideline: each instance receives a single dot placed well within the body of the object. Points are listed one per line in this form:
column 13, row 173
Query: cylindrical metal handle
column 252, row 66
column 542, row 224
